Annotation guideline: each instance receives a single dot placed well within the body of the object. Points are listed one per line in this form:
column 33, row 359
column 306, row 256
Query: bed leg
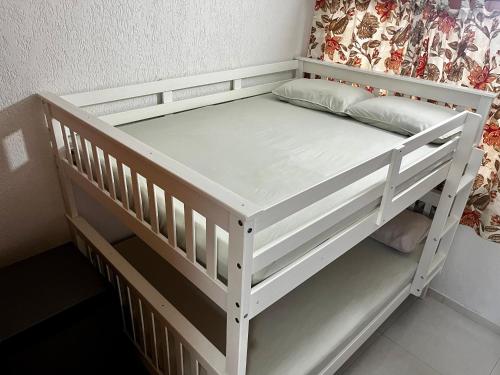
column 64, row 182
column 423, row 295
column 240, row 257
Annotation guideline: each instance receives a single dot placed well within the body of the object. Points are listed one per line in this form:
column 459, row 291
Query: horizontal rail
column 321, row 190
column 466, row 182
column 431, row 134
column 447, row 93
column 442, row 153
column 282, row 282
column 186, row 104
column 282, row 246
column 150, row 88
column 210, row 356
column 417, row 190
column 451, row 222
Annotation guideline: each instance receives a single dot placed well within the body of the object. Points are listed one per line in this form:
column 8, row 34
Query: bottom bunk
column 313, row 329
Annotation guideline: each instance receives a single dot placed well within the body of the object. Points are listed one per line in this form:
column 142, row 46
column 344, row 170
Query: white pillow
column 401, row 115
column 321, row 94
column 404, row 232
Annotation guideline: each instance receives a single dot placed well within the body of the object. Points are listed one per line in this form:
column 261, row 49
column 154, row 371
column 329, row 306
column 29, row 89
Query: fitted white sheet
column 267, row 150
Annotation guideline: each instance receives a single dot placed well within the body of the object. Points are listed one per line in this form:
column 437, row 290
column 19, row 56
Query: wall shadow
column 31, row 208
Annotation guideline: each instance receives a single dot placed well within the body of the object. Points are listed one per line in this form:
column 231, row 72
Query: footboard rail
column 136, row 183
column 168, row 342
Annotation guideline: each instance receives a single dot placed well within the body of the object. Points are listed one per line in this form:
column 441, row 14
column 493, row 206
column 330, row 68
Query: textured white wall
column 67, row 46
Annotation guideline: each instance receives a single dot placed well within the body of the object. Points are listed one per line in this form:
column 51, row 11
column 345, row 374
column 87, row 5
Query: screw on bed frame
column 238, row 265
column 237, row 305
column 237, row 320
column 245, row 316
column 249, row 230
column 240, row 223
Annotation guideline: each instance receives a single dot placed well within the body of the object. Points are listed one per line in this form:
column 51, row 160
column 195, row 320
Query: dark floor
column 82, row 337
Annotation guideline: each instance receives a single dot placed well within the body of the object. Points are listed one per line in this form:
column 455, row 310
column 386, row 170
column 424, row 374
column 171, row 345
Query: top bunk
column 101, row 108
column 187, row 199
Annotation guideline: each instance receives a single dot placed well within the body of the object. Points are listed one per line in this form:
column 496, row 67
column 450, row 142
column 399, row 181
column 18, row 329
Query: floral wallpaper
column 428, row 40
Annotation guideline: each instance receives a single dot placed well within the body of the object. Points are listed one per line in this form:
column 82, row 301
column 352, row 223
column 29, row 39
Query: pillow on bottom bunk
column 404, row 232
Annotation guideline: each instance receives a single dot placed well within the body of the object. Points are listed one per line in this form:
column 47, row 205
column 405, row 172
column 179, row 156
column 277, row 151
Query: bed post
column 241, row 237
column 483, row 109
column 446, row 202
column 64, row 182
column 299, row 72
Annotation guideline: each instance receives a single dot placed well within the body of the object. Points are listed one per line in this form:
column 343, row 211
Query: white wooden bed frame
column 74, row 132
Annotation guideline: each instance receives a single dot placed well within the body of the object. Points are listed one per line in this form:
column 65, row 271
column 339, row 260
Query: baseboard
column 464, row 310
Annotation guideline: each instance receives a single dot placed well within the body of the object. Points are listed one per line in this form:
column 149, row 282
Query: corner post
column 64, row 182
column 482, row 109
column 299, row 72
column 240, row 257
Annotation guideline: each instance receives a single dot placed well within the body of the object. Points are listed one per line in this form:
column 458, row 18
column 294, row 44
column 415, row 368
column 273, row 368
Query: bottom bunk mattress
column 266, row 150
column 304, row 330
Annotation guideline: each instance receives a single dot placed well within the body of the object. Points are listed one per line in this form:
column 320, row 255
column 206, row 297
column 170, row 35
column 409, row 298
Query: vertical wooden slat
column 154, row 352
column 167, row 97
column 109, row 275
column 211, row 248
column 143, row 328
column 131, row 310
column 90, row 254
column 109, row 176
column 170, row 218
column 193, row 363
column 168, row 354
column 190, row 363
column 97, row 167
column 149, row 338
column 179, row 356
column 99, row 263
column 76, row 150
column 153, row 212
column 189, row 233
column 236, row 84
column 137, row 196
column 119, row 287
column 85, row 156
column 67, row 149
column 390, row 184
column 122, row 185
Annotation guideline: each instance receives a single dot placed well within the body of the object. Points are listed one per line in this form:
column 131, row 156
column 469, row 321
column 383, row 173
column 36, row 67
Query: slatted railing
column 168, row 342
column 153, row 203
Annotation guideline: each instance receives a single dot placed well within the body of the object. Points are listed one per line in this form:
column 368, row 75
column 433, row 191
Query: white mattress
column 306, row 328
column 267, row 150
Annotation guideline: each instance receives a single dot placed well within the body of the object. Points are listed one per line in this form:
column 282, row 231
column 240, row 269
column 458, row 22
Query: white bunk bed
column 260, row 248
